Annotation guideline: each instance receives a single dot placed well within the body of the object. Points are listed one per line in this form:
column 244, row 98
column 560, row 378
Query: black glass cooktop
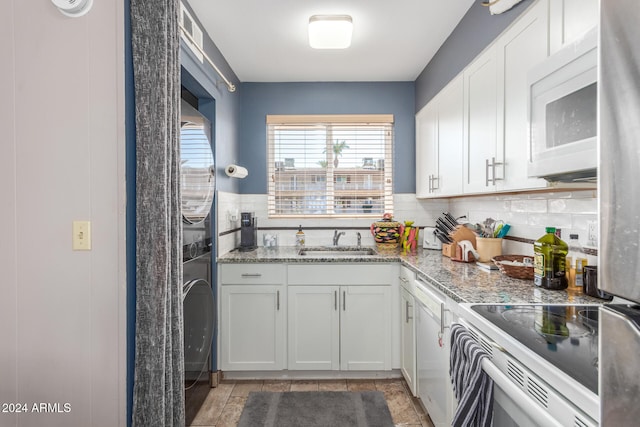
column 565, row 336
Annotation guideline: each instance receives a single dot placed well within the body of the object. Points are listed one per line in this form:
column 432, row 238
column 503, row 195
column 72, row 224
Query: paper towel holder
column 235, row 171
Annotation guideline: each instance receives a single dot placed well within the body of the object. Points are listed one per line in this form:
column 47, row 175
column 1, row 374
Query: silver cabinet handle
column 335, row 300
column 492, row 165
column 278, row 300
column 344, row 300
column 432, row 181
column 486, row 172
column 251, row 275
column 442, row 318
column 403, row 279
column 406, row 308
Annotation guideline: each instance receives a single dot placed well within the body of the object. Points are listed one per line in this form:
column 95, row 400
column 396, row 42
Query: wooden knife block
column 461, row 233
column 449, row 249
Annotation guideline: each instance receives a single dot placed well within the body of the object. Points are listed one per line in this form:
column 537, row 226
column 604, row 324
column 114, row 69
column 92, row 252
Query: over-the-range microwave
column 563, row 113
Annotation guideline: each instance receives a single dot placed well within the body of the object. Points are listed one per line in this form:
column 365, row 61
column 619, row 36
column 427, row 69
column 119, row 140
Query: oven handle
column 521, row 399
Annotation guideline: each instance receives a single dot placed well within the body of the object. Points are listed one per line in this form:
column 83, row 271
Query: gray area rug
column 316, row 409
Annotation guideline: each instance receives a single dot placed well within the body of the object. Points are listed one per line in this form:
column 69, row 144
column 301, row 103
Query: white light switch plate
column 81, row 235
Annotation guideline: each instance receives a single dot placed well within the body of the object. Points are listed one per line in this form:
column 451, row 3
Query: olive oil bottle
column 550, row 254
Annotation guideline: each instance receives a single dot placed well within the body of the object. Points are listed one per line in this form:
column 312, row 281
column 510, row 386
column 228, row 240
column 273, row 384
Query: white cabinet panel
column 339, row 274
column 426, row 150
column 252, row 274
column 252, row 327
column 480, row 127
column 365, row 335
column 439, row 143
column 339, row 327
column 450, row 138
column 314, row 328
column 570, row 19
column 521, row 47
column 408, row 339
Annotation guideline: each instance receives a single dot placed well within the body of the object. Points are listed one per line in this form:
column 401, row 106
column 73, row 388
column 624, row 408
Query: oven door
column 522, row 398
column 511, row 406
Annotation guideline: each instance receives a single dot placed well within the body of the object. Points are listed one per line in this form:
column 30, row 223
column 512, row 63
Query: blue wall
column 260, row 99
column 476, row 30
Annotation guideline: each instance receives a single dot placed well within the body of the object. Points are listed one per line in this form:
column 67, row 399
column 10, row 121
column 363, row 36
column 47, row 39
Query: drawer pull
column 404, row 280
column 406, row 316
column 251, row 275
column 344, row 300
column 278, row 300
column 335, row 300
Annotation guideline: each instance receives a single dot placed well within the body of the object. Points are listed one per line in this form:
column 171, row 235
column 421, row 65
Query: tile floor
column 223, row 404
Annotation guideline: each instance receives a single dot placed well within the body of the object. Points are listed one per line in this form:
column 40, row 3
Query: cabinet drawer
column 340, row 274
column 252, row 274
column 407, row 278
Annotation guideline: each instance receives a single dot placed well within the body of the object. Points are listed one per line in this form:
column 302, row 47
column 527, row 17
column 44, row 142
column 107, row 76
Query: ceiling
column 266, row 41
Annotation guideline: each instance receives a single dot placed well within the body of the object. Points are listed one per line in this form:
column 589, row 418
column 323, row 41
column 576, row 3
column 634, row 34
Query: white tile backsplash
column 528, row 214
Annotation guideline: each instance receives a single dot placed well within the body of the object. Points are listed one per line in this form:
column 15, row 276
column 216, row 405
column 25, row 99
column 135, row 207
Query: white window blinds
column 334, row 166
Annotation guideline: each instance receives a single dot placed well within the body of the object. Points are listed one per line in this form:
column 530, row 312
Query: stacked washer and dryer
column 198, row 188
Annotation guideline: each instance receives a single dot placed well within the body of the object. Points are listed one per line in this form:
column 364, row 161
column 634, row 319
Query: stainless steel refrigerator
column 619, row 193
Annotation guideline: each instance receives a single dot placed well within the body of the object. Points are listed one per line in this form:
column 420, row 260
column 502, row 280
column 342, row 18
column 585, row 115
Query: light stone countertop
column 463, row 282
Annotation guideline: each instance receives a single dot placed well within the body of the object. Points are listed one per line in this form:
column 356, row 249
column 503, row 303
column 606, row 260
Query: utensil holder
column 488, row 247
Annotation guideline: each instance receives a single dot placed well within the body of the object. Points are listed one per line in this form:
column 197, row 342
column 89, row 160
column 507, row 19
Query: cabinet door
column 314, row 329
column 408, row 339
column 426, row 151
column 252, row 327
column 365, row 328
column 480, row 93
column 450, row 137
column 570, row 19
column 521, row 47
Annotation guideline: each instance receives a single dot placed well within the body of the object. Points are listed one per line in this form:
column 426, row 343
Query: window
column 331, row 166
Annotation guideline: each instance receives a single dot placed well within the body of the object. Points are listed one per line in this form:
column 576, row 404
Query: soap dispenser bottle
column 300, row 238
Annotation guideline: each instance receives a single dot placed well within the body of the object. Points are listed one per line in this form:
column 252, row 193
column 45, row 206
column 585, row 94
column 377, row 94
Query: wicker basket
column 517, row 272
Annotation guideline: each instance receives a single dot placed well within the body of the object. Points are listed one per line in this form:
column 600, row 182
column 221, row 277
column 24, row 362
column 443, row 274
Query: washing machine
column 197, row 185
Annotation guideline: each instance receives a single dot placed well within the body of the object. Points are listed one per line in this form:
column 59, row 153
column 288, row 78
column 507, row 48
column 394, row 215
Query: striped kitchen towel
column 472, row 386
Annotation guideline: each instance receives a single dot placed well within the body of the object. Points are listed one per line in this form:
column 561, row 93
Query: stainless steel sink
column 334, row 252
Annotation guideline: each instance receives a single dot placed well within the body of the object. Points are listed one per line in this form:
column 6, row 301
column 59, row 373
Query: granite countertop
column 464, row 283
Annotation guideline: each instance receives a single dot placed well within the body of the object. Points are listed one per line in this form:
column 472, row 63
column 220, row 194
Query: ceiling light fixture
column 330, row 31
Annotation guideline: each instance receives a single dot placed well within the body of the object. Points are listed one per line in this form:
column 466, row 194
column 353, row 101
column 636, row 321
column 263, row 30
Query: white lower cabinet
column 339, row 328
column 307, row 317
column 253, row 309
column 252, row 328
column 314, row 328
column 365, row 328
column 335, row 326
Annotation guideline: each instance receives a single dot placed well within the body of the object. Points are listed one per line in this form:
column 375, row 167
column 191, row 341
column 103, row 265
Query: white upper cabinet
column 570, row 19
column 472, row 137
column 439, row 132
column 450, row 137
column 480, row 123
column 426, row 150
column 521, row 47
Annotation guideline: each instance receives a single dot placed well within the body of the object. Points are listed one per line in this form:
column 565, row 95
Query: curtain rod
column 230, row 86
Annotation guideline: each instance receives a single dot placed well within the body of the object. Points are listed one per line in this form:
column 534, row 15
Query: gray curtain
column 158, row 398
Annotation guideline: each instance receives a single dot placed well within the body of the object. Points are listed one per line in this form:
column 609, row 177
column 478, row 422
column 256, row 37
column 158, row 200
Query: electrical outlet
column 592, row 233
